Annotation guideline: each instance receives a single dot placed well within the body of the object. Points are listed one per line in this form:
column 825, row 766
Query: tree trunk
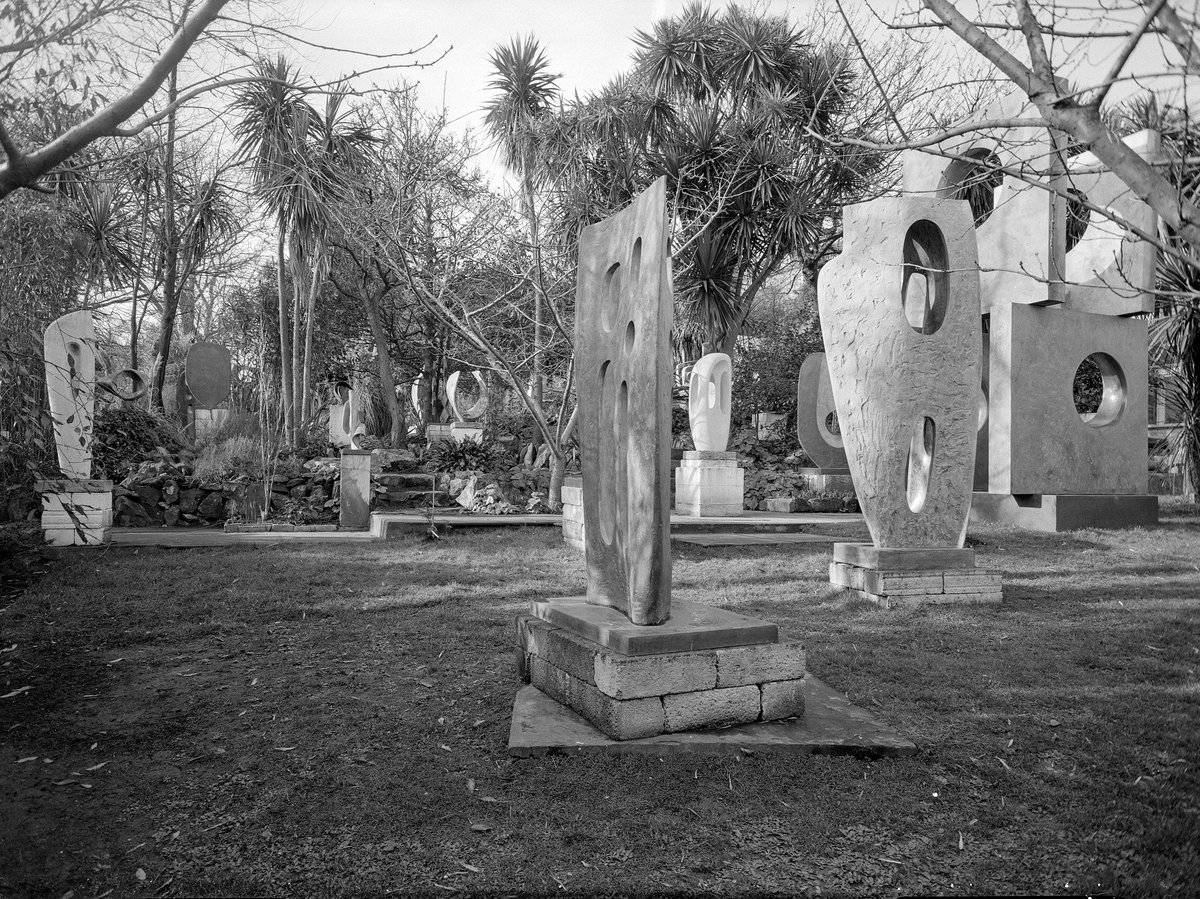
column 558, row 469
column 535, row 378
column 301, row 414
column 162, row 348
column 398, row 435
column 285, row 348
column 314, row 284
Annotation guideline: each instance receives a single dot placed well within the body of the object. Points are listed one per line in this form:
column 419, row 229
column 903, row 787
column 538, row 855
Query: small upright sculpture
column 708, row 481
column 345, row 416
column 900, row 318
column 207, row 377
column 434, row 430
column 76, row 509
column 818, row 430
column 466, row 419
column 625, row 657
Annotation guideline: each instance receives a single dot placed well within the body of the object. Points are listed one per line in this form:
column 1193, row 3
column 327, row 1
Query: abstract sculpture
column 76, row 510
column 624, row 656
column 207, row 377
column 345, row 416
column 818, row 430
column 900, row 318
column 465, row 425
column 708, row 481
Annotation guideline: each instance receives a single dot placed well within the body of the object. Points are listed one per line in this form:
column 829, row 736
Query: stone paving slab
column 830, row 726
column 769, row 539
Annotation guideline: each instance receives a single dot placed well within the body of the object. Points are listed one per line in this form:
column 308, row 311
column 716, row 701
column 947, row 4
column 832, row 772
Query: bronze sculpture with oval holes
column 900, row 318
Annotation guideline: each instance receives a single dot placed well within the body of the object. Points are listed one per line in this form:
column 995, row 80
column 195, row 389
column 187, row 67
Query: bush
column 445, row 456
column 124, row 435
column 232, row 456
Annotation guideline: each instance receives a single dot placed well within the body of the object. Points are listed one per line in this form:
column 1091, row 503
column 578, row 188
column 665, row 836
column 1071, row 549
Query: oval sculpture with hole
column 901, row 321
column 709, row 390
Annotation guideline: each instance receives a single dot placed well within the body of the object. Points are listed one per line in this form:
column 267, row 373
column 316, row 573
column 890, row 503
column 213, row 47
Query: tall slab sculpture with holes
column 626, row 657
column 818, row 429
column 77, row 508
column 900, row 318
column 1059, row 287
column 708, row 481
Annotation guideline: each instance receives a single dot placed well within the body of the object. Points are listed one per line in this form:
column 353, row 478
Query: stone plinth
column 209, row 421
column 355, row 489
column 707, row 668
column 709, row 484
column 827, row 480
column 438, row 432
column 572, row 511
column 76, row 512
column 912, row 576
column 461, row 432
column 1065, row 512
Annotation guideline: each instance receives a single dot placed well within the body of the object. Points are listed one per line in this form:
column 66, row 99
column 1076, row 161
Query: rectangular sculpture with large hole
column 625, row 657
column 1059, row 285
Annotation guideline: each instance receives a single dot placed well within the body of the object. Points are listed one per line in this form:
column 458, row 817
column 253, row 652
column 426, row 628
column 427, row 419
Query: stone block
column 866, row 555
column 575, row 656
column 702, row 456
column 633, row 677
column 782, row 504
column 819, row 481
column 82, row 518
column 712, row 708
column 741, row 665
column 889, row 583
column 74, row 485
column 626, row 719
column 974, row 582
column 782, row 699
column 73, row 537
column 87, row 501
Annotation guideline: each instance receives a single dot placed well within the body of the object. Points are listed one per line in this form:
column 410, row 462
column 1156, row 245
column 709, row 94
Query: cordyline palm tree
column 524, row 91
column 740, row 101
column 274, row 123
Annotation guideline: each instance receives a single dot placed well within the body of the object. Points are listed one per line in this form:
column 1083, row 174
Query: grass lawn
column 331, row 721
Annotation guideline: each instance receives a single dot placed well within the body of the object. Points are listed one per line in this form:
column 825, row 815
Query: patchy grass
column 332, row 720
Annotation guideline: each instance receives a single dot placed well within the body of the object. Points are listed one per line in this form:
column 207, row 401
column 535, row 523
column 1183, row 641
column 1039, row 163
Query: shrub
column 444, row 456
column 124, row 435
column 232, row 456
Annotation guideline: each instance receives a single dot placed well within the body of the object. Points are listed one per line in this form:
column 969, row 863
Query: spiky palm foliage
column 731, row 105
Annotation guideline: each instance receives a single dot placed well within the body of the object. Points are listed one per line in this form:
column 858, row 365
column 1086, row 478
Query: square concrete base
column 438, row 432
column 692, row 626
column 709, row 484
column 1065, row 512
column 905, row 577
column 830, row 726
column 680, row 687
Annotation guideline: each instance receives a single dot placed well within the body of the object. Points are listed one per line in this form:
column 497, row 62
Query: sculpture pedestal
column 912, row 576
column 355, row 489
column 76, row 512
column 438, row 432
column 705, row 667
column 709, row 484
column 572, row 511
column 827, row 480
column 460, row 432
column 209, row 421
column 1065, row 512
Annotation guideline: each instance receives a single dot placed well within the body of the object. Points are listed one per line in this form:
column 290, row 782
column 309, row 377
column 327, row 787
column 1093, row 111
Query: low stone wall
column 572, row 511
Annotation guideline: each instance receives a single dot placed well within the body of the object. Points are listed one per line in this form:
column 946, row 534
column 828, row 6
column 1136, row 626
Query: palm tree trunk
column 535, row 379
column 162, row 349
column 398, row 435
column 314, row 284
column 300, row 414
column 285, row 348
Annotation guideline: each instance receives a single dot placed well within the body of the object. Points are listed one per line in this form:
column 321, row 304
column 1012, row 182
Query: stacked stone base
column 900, row 577
column 709, row 484
column 572, row 511
column 436, row 432
column 629, row 695
column 76, row 512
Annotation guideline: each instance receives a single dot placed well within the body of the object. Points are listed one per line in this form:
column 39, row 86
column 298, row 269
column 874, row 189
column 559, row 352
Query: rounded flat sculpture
column 69, row 345
column 900, row 317
column 207, row 372
column 709, row 390
column 476, row 410
column 815, row 412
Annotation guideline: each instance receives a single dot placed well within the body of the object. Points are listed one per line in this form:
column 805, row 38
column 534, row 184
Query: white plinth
column 76, row 513
column 460, row 432
column 709, row 484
